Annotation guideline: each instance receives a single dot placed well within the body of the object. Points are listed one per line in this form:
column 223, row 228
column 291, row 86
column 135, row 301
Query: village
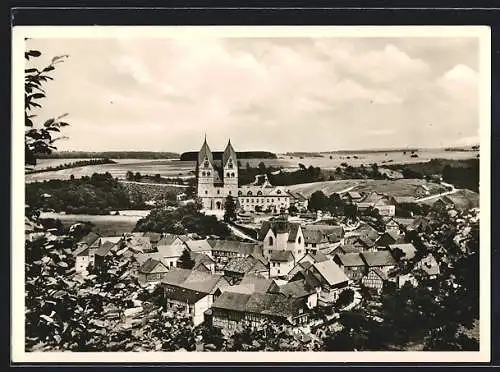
column 300, row 268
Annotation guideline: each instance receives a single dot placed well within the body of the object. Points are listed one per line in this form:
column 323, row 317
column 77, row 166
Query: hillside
column 403, row 187
column 110, row 155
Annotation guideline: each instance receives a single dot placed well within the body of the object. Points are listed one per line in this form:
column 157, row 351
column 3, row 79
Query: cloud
column 276, row 94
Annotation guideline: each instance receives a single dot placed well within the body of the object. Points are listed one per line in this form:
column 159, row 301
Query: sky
column 269, row 94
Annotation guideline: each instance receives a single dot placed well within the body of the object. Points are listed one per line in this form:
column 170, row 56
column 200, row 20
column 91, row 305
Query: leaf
column 36, row 96
column 49, row 68
column 30, row 70
column 48, row 123
column 34, row 53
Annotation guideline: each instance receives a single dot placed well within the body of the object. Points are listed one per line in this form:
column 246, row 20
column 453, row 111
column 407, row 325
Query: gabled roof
column 198, row 245
column 154, row 237
column 243, row 265
column 170, row 250
column 379, row 258
column 354, row 194
column 201, row 258
column 350, row 259
column 297, row 289
column 379, row 273
column 232, row 301
column 90, row 238
column 317, row 256
column 272, row 304
column 260, row 284
column 408, row 250
column 150, row 265
column 200, row 281
column 185, row 295
column 104, row 248
column 429, row 265
column 281, row 256
column 81, row 251
column 292, row 228
column 297, row 195
column 331, row 272
column 313, row 236
column 234, row 246
column 366, row 241
column 326, row 229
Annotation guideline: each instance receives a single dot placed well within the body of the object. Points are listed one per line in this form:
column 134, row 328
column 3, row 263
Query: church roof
column 228, row 154
column 205, row 152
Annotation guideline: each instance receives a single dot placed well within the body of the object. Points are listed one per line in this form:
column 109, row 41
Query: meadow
column 107, row 225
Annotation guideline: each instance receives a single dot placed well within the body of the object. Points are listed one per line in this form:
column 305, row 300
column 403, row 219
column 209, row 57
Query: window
column 206, row 164
column 227, row 174
column 229, row 192
column 208, row 173
column 206, row 192
column 252, row 200
column 314, row 245
column 249, row 193
column 278, row 192
column 240, row 193
column 232, row 174
column 203, row 174
column 299, row 251
column 272, row 200
column 171, row 263
column 218, row 192
column 300, row 240
column 278, row 271
column 259, row 193
column 271, row 241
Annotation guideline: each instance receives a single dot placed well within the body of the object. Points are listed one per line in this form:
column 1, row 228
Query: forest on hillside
column 193, row 155
column 109, row 155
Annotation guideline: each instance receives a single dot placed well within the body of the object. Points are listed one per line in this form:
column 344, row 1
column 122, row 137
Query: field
column 105, row 225
column 403, row 187
column 177, row 168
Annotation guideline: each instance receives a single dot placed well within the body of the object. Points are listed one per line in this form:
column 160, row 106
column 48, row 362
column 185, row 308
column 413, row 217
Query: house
column 314, row 240
column 103, row 251
column 230, row 309
column 138, row 243
column 421, row 191
column 181, row 281
column 374, row 279
column 364, row 243
column 301, row 290
column 282, row 235
column 238, row 267
column 152, row 271
column 385, row 205
column 352, row 196
column 264, row 197
column 388, row 238
column 280, row 263
column 171, row 239
column 298, row 200
column 85, row 252
column 383, row 260
column 251, row 284
column 199, row 246
column 331, row 278
column 349, row 248
column 223, row 250
column 170, row 253
column 403, row 252
column 203, row 262
column 153, row 237
column 429, row 266
column 353, row 265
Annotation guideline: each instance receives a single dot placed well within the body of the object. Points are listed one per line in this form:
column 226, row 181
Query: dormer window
column 249, row 193
column 240, row 193
column 278, row 192
column 230, row 164
column 259, row 193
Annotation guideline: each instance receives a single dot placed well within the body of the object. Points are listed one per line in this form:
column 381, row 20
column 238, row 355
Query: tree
column 185, row 261
column 229, row 209
column 38, row 139
column 129, row 176
column 345, row 298
column 262, row 166
column 318, row 201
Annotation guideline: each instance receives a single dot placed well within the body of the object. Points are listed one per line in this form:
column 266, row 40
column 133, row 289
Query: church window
column 252, row 200
column 227, row 174
column 240, row 193
column 232, row 174
column 218, row 192
column 271, row 241
column 206, row 164
column 272, row 200
column 203, row 174
column 230, row 165
column 259, row 193
column 278, row 192
column 208, row 173
column 206, row 192
column 300, row 240
column 248, row 200
column 229, row 192
column 249, row 193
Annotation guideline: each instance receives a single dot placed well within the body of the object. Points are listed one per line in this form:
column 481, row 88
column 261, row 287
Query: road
column 453, row 190
column 155, row 184
column 240, row 233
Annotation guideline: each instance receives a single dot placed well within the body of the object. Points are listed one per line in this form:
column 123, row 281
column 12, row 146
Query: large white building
column 218, row 178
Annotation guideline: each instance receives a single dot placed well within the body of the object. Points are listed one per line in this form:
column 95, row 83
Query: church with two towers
column 218, row 178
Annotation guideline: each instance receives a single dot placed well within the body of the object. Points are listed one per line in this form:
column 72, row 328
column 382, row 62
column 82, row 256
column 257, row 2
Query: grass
column 403, row 187
column 107, row 225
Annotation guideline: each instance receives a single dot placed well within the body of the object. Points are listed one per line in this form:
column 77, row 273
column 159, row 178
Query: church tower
column 230, row 171
column 206, row 174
